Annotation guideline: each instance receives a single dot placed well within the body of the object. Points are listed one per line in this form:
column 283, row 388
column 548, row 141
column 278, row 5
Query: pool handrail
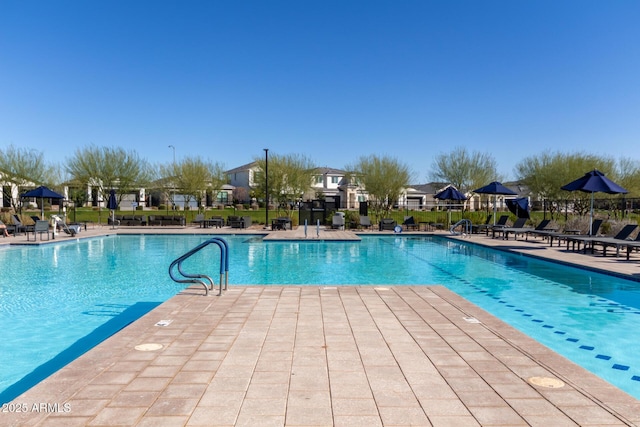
column 197, row 278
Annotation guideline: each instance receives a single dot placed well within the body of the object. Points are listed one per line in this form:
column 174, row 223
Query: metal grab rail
column 198, row 278
column 463, row 222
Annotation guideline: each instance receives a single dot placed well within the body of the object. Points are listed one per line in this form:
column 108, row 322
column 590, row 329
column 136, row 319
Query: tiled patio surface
column 322, row 356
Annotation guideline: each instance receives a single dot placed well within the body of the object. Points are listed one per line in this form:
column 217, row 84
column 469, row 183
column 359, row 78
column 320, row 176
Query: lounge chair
column 281, row 223
column 410, row 223
column 477, row 228
column 517, row 228
column 542, row 227
column 616, row 242
column 365, row 222
column 501, row 223
column 17, row 225
column 564, row 235
column 387, row 224
column 589, row 241
column 39, row 228
column 631, row 245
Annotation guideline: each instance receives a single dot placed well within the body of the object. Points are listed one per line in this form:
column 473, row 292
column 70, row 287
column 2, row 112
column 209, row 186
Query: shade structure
column 42, row 192
column 594, row 182
column 112, row 204
column 496, row 189
column 519, row 207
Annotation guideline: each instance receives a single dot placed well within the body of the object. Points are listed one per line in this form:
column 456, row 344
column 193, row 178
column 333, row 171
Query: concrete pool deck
column 323, row 355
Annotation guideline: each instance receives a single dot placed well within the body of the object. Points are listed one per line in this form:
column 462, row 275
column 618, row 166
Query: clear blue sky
column 333, row 80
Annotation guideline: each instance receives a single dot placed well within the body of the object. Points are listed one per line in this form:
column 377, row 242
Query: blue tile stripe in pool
column 604, row 302
column 544, row 325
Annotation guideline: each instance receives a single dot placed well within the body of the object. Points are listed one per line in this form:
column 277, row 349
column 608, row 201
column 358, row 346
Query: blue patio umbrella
column 594, row 182
column 519, row 207
column 42, row 192
column 450, row 193
column 496, row 189
column 112, row 204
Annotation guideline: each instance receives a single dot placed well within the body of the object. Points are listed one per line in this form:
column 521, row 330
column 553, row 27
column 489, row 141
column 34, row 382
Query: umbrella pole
column 495, row 202
column 591, row 218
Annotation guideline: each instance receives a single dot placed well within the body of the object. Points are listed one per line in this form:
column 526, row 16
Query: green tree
column 192, row 177
column 384, row 179
column 290, row 176
column 25, row 168
column 546, row 173
column 465, row 170
column 109, row 168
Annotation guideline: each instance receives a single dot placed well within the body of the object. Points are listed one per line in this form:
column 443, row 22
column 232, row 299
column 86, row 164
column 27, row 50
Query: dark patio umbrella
column 112, row 204
column 42, row 192
column 450, row 193
column 594, row 182
column 496, row 189
column 519, row 207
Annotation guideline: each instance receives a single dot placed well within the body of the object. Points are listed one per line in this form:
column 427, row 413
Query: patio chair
column 39, row 228
column 365, row 222
column 337, row 221
column 199, row 219
column 387, row 224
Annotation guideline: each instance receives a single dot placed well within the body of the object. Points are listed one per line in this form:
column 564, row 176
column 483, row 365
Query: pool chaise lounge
column 616, row 243
column 560, row 236
column 591, row 241
column 517, row 228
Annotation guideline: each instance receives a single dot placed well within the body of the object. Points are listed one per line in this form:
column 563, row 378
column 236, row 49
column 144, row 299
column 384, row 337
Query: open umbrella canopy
column 42, row 192
column 495, row 188
column 519, row 207
column 450, row 193
column 594, row 182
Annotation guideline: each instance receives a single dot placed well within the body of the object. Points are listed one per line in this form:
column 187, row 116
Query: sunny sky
column 333, row 80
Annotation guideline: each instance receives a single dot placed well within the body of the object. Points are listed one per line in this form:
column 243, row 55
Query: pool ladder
column 176, row 266
column 465, row 224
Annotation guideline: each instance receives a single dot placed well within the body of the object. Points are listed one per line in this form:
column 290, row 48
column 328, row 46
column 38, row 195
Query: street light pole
column 266, row 187
column 173, row 204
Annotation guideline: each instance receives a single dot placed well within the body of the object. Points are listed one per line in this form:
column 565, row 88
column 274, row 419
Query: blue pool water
column 58, row 300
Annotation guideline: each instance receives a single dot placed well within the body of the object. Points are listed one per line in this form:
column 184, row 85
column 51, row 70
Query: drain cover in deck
column 148, row 347
column 546, row 382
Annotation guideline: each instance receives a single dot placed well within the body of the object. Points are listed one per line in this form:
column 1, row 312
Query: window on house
column 318, row 179
column 335, row 179
column 223, row 197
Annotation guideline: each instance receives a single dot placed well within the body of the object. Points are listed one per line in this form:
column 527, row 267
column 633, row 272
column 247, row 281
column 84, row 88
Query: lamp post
column 266, row 187
column 172, row 192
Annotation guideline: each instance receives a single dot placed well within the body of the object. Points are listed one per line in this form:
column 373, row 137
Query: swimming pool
column 58, row 300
